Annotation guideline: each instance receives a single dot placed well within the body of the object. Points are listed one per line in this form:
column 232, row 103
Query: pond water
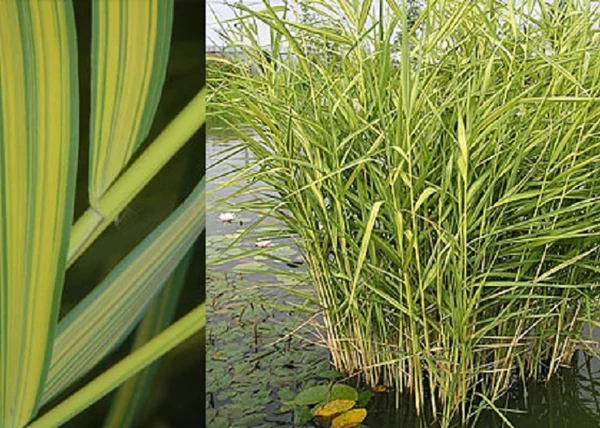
column 248, row 376
column 251, row 357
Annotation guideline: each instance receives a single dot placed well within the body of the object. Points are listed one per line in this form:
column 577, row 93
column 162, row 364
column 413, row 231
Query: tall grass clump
column 441, row 175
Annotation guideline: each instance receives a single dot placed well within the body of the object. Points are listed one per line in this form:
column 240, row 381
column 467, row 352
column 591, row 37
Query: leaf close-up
column 42, row 353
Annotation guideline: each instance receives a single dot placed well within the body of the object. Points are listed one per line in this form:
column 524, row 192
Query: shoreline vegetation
column 438, row 170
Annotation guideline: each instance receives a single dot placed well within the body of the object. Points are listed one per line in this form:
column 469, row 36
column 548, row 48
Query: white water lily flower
column 226, row 217
column 263, row 244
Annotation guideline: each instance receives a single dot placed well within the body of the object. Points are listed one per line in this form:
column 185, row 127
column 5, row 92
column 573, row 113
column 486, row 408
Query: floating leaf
column 224, row 395
column 322, row 393
column 334, row 407
column 379, row 388
column 251, row 419
column 302, row 415
column 219, row 422
column 312, row 395
column 283, row 251
column 210, row 414
column 343, row 392
column 349, row 419
column 331, row 374
column 364, row 397
column 249, row 267
column 282, row 410
column 286, row 394
column 219, row 356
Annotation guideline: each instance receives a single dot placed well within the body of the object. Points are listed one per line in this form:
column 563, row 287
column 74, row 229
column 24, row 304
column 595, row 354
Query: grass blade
column 38, row 154
column 91, row 224
column 109, row 313
column 130, row 49
column 124, row 369
column 131, row 395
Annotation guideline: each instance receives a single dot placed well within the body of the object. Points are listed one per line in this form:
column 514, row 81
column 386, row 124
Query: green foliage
column 39, row 140
column 311, row 401
column 322, row 393
column 446, row 203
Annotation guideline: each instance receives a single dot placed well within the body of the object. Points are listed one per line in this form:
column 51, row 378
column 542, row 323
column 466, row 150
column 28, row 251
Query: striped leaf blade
column 130, row 49
column 173, row 336
column 91, row 224
column 132, row 394
column 109, row 313
column 38, row 153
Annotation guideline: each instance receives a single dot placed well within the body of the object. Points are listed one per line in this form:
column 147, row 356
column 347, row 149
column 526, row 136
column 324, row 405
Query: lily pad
column 250, row 419
column 219, row 356
column 220, row 422
column 333, row 408
column 322, row 393
column 331, row 374
column 286, row 394
column 343, row 392
column 249, row 267
column 283, row 251
column 312, row 395
column 364, row 397
column 210, row 414
column 224, row 395
column 302, row 415
column 350, row 419
column 282, row 409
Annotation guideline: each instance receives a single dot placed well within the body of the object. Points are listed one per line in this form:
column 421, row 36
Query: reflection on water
column 570, row 400
column 225, row 158
column 250, row 358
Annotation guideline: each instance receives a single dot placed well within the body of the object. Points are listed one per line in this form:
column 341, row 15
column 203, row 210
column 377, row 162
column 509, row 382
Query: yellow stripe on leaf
column 131, row 396
column 38, row 151
column 130, row 47
column 91, row 224
column 108, row 314
column 173, row 336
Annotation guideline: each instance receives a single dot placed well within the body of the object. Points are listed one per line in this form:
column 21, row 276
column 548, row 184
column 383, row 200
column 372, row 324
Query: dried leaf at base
column 349, row 419
column 334, row 407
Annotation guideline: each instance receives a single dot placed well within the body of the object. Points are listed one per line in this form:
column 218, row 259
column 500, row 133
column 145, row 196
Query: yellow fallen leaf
column 334, row 407
column 349, row 419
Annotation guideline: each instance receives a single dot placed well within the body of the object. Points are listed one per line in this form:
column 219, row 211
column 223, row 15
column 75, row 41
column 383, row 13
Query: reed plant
column 442, row 179
column 43, row 358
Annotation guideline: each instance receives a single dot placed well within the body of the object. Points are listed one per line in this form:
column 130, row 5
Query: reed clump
column 442, row 177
